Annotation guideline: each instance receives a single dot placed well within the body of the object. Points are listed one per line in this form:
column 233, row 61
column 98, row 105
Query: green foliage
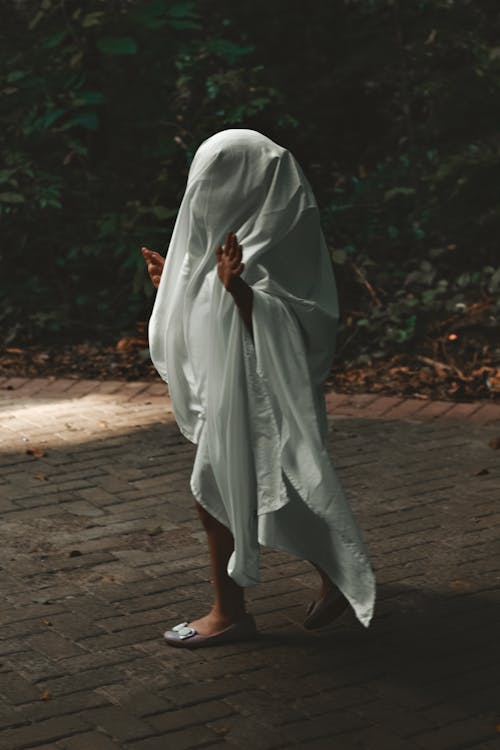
column 391, row 108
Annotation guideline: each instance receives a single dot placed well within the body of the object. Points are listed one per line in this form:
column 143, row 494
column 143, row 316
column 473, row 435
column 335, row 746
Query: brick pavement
column 101, row 549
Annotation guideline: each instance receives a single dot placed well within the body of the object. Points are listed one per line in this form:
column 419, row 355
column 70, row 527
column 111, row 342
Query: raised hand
column 229, row 265
column 155, row 263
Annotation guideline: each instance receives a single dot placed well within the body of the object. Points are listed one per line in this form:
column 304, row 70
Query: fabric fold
column 255, row 407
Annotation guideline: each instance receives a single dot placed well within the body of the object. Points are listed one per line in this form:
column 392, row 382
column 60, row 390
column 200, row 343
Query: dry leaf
column 459, row 585
column 103, row 423
column 495, row 443
column 154, row 532
column 219, row 730
column 493, row 381
column 46, row 696
column 37, row 452
column 42, row 477
column 128, row 343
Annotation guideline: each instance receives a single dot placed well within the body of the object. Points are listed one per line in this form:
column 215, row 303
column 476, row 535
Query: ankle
column 228, row 612
column 326, row 586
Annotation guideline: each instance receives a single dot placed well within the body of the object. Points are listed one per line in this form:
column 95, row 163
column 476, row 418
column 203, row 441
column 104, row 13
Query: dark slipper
column 326, row 610
column 186, row 637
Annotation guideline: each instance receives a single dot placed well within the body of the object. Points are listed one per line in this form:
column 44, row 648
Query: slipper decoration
column 184, row 635
column 184, row 630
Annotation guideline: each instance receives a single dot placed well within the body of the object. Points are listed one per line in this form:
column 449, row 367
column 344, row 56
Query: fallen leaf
column 42, row 477
column 47, row 622
column 459, row 585
column 37, row 452
column 493, row 381
column 103, row 423
column 13, row 350
column 154, row 532
column 75, row 553
column 219, row 730
column 481, row 472
column 46, row 696
column 495, row 443
column 128, row 343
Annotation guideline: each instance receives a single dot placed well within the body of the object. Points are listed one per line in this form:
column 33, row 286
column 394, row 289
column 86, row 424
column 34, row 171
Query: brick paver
column 101, row 549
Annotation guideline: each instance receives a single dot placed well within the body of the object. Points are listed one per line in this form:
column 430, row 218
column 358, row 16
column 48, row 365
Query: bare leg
column 229, row 603
column 326, row 582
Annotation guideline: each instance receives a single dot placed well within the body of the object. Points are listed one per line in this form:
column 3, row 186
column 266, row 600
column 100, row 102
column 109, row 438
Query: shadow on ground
column 101, row 549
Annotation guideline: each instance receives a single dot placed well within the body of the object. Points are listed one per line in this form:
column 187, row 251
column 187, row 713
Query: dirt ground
column 402, row 374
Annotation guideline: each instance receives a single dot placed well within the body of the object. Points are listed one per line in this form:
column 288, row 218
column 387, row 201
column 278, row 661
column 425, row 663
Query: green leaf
column 339, row 257
column 6, row 174
column 89, row 97
column 428, row 295
column 54, row 40
column 50, row 117
column 184, row 9
column 36, row 20
column 15, row 75
column 12, row 198
column 151, row 17
column 124, row 45
column 212, row 88
column 394, row 192
column 162, row 212
column 92, row 19
column 229, row 50
column 87, row 120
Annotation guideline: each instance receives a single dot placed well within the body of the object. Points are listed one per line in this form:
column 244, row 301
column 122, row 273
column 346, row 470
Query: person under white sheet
column 243, row 330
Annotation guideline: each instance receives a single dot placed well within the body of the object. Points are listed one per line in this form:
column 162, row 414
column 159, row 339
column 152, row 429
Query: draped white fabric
column 256, row 407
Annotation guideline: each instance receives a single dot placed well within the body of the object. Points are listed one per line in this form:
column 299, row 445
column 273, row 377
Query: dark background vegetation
column 392, row 108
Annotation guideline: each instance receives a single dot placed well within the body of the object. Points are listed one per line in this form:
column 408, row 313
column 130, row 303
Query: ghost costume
column 255, row 407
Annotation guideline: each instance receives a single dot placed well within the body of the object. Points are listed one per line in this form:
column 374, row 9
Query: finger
column 152, row 254
column 232, row 249
column 218, row 251
column 238, row 271
column 229, row 240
